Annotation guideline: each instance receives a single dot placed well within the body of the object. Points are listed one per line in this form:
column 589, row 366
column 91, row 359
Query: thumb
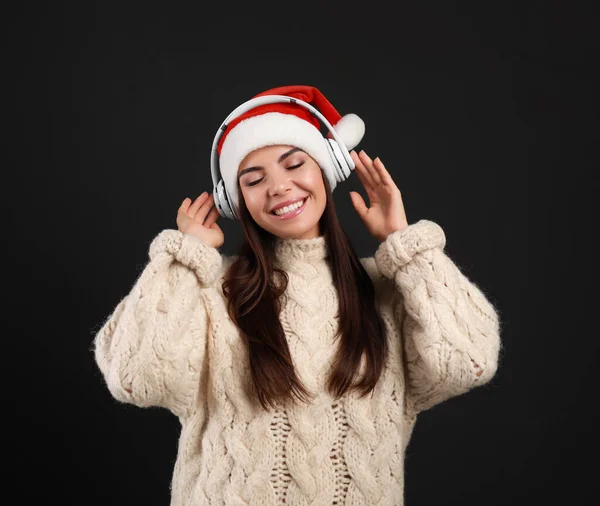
column 358, row 203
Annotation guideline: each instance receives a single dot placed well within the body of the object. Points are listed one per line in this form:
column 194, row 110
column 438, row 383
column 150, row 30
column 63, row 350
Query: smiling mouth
column 290, row 212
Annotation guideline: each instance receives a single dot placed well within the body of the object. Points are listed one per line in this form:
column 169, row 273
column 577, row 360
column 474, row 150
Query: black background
column 480, row 110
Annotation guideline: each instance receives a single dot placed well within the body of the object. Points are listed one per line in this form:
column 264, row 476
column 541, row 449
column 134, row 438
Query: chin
column 291, row 232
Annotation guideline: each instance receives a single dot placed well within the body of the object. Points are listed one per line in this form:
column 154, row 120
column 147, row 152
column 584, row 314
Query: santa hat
column 289, row 124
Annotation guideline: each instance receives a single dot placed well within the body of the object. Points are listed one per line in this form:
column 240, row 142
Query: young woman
column 296, row 369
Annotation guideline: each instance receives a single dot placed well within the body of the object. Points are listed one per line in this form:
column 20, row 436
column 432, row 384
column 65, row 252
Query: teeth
column 287, row 209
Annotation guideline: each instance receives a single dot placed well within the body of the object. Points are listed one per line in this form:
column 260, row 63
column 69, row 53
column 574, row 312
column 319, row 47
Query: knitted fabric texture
column 170, row 343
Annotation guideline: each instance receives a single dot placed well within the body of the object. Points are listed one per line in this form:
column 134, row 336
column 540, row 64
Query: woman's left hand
column 386, row 214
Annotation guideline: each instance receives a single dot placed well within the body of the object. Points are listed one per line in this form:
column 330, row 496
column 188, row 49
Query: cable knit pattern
column 191, row 252
column 452, row 326
column 171, row 343
column 399, row 249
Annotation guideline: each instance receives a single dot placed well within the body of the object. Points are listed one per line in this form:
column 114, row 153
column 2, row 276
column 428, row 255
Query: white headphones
column 342, row 161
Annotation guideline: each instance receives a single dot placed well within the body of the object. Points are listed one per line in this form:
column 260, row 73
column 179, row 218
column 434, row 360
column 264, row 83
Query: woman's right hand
column 195, row 219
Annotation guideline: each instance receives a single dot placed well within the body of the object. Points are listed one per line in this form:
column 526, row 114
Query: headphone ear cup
column 342, row 169
column 222, row 202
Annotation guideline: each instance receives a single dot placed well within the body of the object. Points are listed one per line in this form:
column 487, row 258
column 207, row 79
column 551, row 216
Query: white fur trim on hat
column 267, row 130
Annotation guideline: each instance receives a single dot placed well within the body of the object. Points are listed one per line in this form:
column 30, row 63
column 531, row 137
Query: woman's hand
column 195, row 219
column 386, row 214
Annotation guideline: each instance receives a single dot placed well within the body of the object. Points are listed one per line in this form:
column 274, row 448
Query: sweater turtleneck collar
column 292, row 251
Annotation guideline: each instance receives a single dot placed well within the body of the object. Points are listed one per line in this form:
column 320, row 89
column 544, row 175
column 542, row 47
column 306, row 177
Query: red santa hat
column 289, row 124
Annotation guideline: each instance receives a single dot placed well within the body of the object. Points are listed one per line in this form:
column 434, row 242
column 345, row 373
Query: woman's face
column 273, row 175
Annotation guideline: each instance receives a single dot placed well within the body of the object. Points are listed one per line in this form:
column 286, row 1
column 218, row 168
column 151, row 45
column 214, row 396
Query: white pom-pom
column 351, row 130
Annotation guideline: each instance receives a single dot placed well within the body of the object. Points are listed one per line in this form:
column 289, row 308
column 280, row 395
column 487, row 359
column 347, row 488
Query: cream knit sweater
column 170, row 343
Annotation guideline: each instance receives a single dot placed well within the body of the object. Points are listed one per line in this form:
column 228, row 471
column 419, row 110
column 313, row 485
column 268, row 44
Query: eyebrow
column 280, row 159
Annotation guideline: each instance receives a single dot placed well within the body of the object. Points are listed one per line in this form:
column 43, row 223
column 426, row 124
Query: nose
column 280, row 184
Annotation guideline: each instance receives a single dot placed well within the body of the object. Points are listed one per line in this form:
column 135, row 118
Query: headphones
column 340, row 156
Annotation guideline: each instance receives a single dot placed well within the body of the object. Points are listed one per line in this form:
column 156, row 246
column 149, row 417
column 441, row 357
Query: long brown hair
column 254, row 287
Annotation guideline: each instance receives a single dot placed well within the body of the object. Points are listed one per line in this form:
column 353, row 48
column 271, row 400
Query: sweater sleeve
column 451, row 331
column 151, row 349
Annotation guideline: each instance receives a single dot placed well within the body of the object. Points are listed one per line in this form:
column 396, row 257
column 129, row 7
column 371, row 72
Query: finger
column 212, row 217
column 359, row 203
column 385, row 176
column 368, row 163
column 182, row 211
column 185, row 204
column 362, row 172
column 200, row 215
column 193, row 209
column 182, row 216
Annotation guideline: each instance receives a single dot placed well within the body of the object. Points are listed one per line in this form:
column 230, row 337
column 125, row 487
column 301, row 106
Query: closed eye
column 291, row 167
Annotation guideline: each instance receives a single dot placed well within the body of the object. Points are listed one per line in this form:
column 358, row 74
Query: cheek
column 315, row 183
column 253, row 201
column 313, row 180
